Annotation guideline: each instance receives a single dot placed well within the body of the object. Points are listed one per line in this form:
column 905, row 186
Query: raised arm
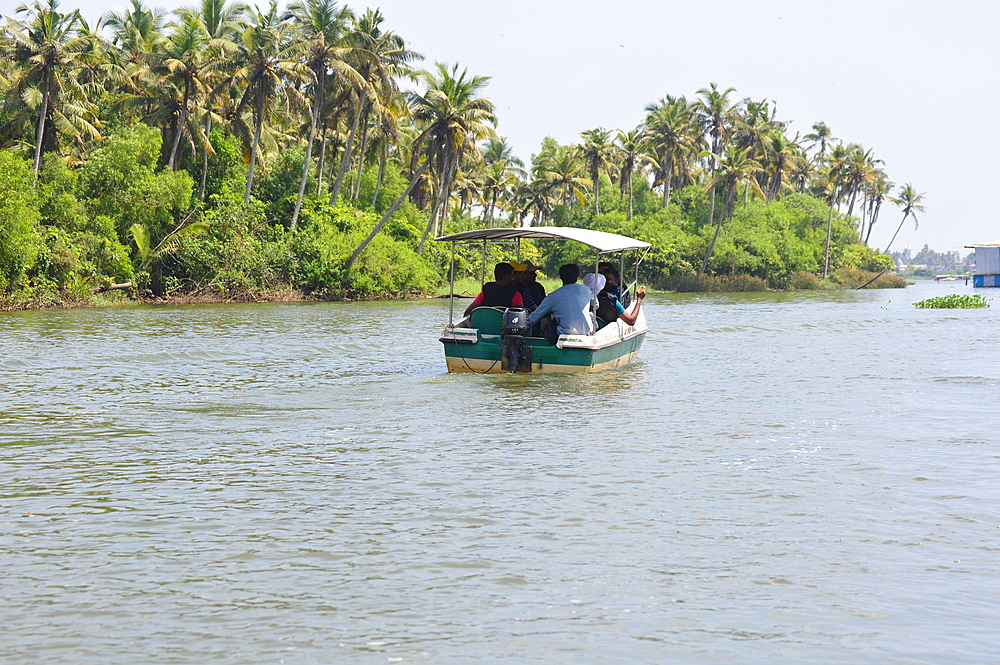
column 630, row 317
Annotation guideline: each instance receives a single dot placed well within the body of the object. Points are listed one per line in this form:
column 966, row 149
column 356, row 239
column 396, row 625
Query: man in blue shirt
column 569, row 305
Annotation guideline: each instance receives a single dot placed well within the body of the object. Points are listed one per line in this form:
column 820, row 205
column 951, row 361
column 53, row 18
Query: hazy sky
column 916, row 81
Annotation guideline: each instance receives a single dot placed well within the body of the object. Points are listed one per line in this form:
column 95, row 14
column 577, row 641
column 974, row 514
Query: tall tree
column 911, row 202
column 672, row 134
column 630, row 147
column 323, row 24
column 46, row 51
column 265, row 63
column 736, row 168
column 596, row 152
column 457, row 118
column 454, row 117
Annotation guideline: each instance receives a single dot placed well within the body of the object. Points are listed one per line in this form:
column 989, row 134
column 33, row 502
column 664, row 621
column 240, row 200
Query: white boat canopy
column 601, row 241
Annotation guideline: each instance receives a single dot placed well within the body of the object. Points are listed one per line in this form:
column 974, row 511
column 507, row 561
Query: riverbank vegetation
column 228, row 152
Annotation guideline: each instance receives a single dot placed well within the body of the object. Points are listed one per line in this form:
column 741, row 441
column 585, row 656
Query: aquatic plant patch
column 953, row 301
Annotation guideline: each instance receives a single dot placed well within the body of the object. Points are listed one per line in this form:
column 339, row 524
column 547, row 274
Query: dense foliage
column 235, row 152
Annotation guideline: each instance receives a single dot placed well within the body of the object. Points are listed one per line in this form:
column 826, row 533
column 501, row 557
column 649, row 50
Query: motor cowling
column 515, row 322
column 516, row 355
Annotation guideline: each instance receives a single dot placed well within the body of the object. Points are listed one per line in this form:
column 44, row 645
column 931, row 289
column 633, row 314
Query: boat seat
column 488, row 320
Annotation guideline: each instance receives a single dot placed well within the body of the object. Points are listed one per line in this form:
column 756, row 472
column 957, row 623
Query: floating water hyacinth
column 953, row 301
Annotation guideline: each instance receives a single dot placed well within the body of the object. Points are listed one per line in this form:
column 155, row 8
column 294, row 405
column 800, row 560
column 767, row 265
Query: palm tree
column 910, row 201
column 221, row 20
column 136, row 32
column 875, row 196
column 323, row 25
column 180, row 64
column 502, row 174
column 716, row 113
column 737, row 168
column 596, row 151
column 386, row 60
column 822, row 135
column 455, row 118
column 564, row 172
column 266, row 66
column 47, row 52
column 672, row 133
column 630, row 146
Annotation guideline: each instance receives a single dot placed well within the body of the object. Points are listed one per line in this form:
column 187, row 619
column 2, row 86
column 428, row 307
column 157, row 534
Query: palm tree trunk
column 181, row 124
column 711, row 246
column 40, row 132
column 826, row 258
column 309, row 146
column 259, row 121
column 381, row 174
column 905, row 215
column 388, row 213
column 204, row 158
column 630, row 197
column 667, row 178
column 361, row 162
column 322, row 158
column 345, row 160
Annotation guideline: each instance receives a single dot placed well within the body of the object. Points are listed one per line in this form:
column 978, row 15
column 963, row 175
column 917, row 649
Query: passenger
column 614, row 284
column 530, row 275
column 500, row 293
column 529, row 302
column 569, row 305
column 609, row 309
column 607, row 304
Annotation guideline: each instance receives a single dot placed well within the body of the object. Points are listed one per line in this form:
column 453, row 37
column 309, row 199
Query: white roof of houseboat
column 995, row 243
column 599, row 240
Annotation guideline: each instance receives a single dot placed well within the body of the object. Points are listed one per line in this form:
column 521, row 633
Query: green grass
column 953, row 301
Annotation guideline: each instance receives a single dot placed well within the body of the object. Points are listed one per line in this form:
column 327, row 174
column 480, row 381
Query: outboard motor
column 513, row 330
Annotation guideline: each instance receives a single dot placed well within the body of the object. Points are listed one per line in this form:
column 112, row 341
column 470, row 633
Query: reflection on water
column 804, row 477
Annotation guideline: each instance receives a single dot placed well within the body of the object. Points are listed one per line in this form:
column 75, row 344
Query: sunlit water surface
column 781, row 478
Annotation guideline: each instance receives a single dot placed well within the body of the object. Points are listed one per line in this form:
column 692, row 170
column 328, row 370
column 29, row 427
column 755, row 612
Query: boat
column 496, row 340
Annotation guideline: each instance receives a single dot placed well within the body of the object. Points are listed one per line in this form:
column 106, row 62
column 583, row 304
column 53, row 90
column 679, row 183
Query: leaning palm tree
column 736, row 169
column 46, row 52
column 267, row 67
column 910, row 201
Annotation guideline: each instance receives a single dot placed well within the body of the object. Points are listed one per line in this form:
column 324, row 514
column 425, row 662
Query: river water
column 782, row 477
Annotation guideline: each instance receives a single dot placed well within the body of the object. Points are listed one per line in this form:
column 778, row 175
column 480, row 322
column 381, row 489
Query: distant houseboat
column 987, row 263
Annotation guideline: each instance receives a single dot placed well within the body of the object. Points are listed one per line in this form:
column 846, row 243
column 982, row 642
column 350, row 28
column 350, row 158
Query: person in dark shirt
column 500, row 293
column 530, row 276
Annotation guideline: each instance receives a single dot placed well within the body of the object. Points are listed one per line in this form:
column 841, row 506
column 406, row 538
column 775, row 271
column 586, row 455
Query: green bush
column 852, row 278
column 20, row 242
column 803, row 281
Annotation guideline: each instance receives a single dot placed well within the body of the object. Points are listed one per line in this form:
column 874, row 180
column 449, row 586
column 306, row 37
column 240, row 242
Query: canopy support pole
column 451, row 292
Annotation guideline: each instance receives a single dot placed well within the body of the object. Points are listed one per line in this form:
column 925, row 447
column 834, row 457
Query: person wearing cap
column 529, row 279
column 530, row 303
column 500, row 293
